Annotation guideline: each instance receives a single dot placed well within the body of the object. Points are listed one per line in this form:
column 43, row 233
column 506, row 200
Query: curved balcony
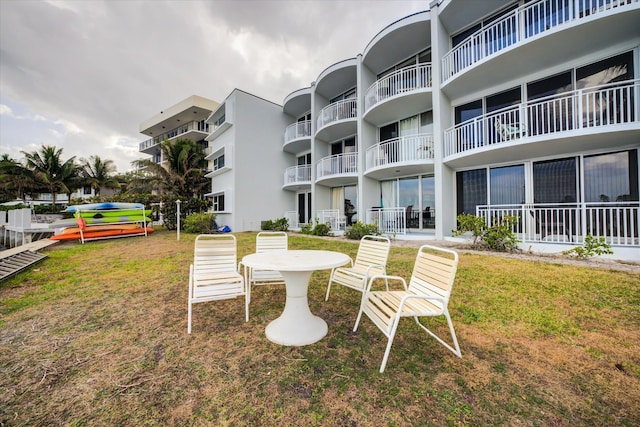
column 338, row 169
column 532, row 28
column 297, row 178
column 601, row 116
column 337, row 120
column 297, row 137
column 405, row 155
column 399, row 94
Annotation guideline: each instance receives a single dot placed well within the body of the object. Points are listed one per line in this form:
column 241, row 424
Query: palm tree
column 183, row 172
column 16, row 180
column 99, row 173
column 48, row 167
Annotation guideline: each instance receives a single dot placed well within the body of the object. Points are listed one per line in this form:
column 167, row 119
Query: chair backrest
column 272, row 241
column 433, row 274
column 215, row 253
column 373, row 250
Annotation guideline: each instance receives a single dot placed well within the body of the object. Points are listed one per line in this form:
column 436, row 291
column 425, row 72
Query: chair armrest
column 383, row 267
column 387, row 278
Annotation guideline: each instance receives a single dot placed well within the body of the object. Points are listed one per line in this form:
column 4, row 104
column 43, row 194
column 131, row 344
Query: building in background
column 528, row 108
column 184, row 120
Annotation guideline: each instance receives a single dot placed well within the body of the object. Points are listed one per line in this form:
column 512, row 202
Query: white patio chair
column 427, row 295
column 371, row 259
column 266, row 241
column 510, row 131
column 214, row 272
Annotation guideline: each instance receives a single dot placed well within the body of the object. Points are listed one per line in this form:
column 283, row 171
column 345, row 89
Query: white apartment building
column 184, row 120
column 490, row 107
column 247, row 161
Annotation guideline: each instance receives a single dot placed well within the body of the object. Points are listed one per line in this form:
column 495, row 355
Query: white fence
column 605, row 105
column 337, row 164
column 398, row 150
column 390, row 221
column 297, row 174
column 520, row 24
column 297, row 130
column 617, row 222
column 401, row 81
column 341, row 110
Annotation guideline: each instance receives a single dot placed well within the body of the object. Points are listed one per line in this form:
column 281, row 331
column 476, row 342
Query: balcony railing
column 337, row 164
column 399, row 150
column 402, row 81
column 297, row 175
column 297, row 130
column 173, row 133
column 606, row 105
column 333, row 218
column 517, row 26
column 617, row 222
column 341, row 110
column 292, row 217
column 390, row 221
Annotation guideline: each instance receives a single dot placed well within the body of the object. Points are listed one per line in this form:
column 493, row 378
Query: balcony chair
column 510, row 131
column 266, row 241
column 371, row 259
column 412, row 218
column 214, row 272
column 552, row 224
column 427, row 295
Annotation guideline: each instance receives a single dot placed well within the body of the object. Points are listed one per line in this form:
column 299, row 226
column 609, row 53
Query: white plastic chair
column 371, row 259
column 266, row 241
column 214, row 272
column 427, row 295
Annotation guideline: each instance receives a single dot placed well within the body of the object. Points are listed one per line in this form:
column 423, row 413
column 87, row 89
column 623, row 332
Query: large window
column 416, row 194
column 555, row 181
column 218, row 162
column 611, row 177
column 471, row 190
column 506, row 185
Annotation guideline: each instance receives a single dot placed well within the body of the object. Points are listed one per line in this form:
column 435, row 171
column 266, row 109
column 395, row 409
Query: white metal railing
column 297, row 130
column 518, row 25
column 333, row 217
column 399, row 150
column 292, row 218
column 390, row 221
column 341, row 110
column 401, row 81
column 172, row 134
column 617, row 222
column 297, row 174
column 338, row 164
column 606, row 105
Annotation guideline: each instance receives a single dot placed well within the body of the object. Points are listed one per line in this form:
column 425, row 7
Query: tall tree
column 56, row 175
column 16, row 180
column 182, row 172
column 99, row 173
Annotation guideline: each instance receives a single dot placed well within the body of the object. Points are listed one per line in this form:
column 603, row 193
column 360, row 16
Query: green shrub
column 187, row 207
column 358, row 230
column 280, row 224
column 592, row 246
column 317, row 230
column 498, row 237
column 470, row 223
column 199, row 223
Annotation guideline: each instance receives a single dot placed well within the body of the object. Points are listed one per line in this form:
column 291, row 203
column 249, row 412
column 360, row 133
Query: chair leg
column 391, row 335
column 326, row 298
column 457, row 351
column 189, row 319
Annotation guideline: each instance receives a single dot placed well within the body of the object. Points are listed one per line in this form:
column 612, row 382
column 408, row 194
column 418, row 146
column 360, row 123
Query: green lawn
column 97, row 335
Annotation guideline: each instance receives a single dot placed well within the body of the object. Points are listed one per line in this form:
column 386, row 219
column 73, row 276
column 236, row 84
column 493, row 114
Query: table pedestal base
column 296, row 326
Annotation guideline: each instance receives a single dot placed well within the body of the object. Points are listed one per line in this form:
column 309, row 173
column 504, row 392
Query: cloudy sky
column 81, row 75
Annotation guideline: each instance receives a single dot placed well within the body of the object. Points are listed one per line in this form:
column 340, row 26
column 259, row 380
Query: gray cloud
column 105, row 66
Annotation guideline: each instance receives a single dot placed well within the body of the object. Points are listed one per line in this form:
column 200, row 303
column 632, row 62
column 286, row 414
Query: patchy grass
column 96, row 335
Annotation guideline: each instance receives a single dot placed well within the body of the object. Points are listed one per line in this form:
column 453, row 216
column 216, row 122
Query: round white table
column 297, row 325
